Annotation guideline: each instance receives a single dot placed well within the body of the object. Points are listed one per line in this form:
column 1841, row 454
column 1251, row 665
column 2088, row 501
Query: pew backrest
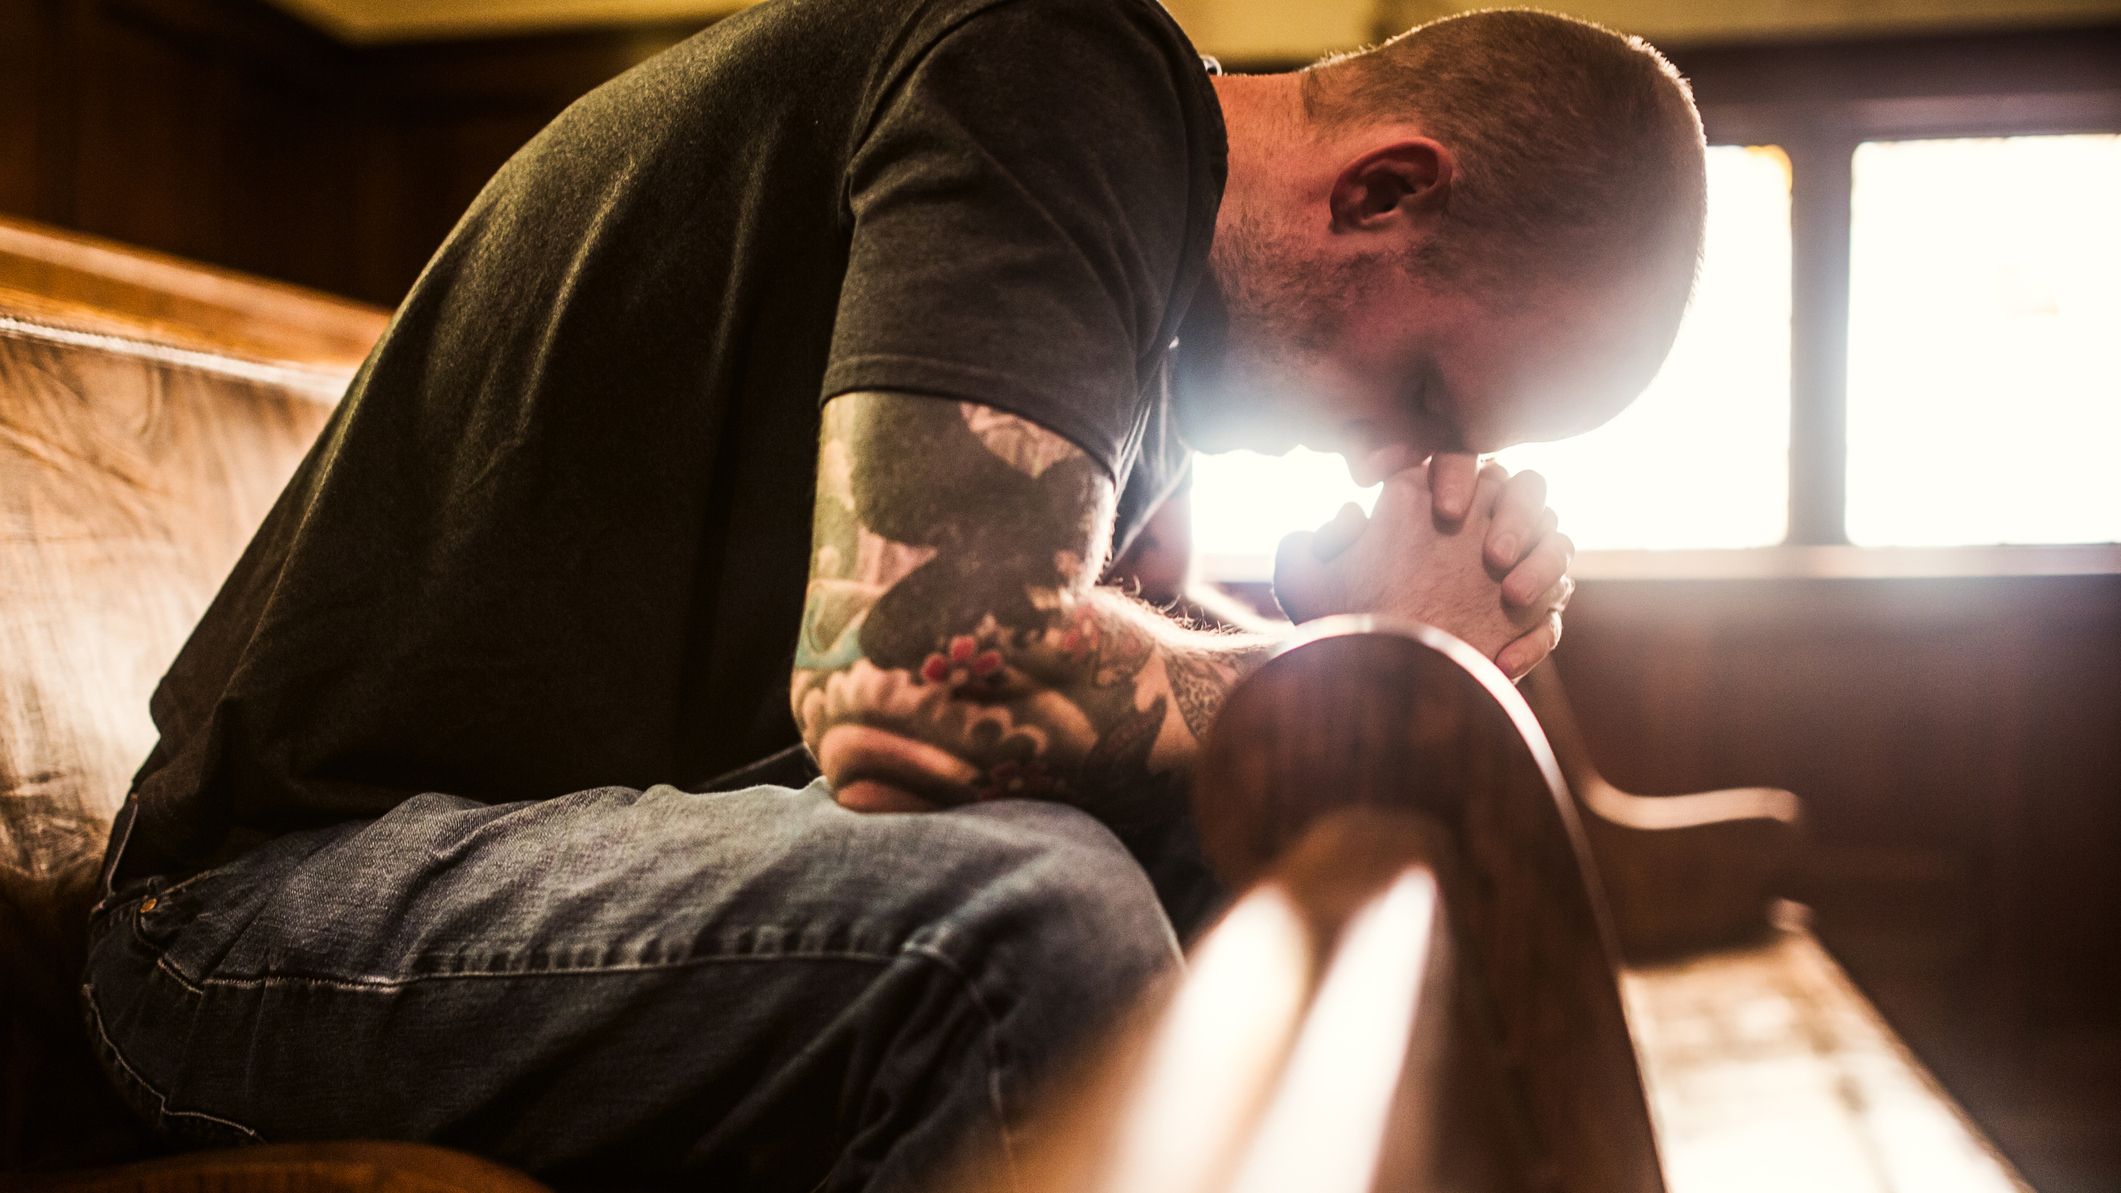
column 133, row 470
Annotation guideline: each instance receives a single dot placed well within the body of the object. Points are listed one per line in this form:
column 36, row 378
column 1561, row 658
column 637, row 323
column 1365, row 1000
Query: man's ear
column 1407, row 181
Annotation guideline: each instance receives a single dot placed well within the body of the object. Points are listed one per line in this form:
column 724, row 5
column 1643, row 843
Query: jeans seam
column 162, row 1108
column 994, row 1060
column 926, row 952
column 201, row 985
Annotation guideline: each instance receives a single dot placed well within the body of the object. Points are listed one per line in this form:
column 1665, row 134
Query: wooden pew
column 149, row 414
column 1418, row 991
column 1399, row 779
column 1767, row 1067
column 84, row 284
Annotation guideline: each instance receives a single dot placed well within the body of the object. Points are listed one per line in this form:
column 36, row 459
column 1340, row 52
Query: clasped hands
column 1455, row 543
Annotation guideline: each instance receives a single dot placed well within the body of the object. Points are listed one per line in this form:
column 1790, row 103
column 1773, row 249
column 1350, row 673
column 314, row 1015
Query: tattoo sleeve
column 954, row 644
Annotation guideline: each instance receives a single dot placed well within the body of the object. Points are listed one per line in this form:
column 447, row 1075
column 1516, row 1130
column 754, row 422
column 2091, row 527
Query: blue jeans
column 755, row 989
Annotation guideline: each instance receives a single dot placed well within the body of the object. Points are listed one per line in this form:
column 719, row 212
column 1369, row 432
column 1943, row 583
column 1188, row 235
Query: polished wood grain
column 1770, row 1071
column 131, row 476
column 1325, row 1037
column 299, row 1168
column 70, row 279
column 1681, row 873
column 1360, row 714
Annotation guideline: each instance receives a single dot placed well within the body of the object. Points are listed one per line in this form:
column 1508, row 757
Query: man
column 837, row 344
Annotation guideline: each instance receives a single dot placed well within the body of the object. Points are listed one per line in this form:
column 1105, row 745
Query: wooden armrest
column 1321, row 1040
column 1682, row 873
column 1359, row 712
column 1417, row 992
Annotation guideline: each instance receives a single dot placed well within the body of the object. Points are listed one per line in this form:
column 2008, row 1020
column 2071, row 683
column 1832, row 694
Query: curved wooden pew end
column 1364, row 713
column 1683, row 873
column 1322, row 1039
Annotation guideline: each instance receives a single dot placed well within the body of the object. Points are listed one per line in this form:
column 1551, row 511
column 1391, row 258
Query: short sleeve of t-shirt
column 1021, row 208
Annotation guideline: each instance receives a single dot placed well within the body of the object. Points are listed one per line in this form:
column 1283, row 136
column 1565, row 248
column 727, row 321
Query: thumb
column 1300, row 577
column 1339, row 534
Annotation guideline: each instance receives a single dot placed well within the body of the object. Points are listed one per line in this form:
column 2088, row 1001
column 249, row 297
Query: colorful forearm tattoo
column 952, row 607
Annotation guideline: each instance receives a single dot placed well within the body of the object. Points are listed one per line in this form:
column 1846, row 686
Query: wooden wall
column 1957, row 743
column 226, row 131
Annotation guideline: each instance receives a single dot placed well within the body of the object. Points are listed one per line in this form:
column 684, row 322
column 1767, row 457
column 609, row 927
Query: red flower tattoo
column 964, row 662
column 1080, row 638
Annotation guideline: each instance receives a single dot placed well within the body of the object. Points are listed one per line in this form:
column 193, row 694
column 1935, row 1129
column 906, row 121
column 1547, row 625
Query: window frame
column 1818, row 101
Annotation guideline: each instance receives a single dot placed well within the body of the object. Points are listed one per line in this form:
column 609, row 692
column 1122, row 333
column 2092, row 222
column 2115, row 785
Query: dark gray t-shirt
column 556, row 536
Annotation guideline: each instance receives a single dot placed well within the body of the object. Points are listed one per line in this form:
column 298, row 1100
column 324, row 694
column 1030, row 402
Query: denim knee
column 1066, row 934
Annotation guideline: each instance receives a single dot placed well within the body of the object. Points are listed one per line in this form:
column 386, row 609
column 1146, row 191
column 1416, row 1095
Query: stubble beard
column 1285, row 308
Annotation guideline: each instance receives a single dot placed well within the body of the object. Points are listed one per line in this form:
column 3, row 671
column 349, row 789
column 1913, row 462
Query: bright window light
column 1700, row 460
column 1984, row 376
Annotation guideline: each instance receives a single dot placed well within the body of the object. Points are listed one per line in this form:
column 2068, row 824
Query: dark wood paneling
column 24, row 46
column 225, row 131
column 1893, row 70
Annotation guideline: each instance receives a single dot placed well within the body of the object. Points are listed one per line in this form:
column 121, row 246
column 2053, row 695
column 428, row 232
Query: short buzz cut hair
column 1577, row 147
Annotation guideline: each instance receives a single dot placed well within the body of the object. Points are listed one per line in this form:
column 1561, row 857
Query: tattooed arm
column 955, row 646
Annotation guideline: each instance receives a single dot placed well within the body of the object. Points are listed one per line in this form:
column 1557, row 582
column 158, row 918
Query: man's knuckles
column 1526, row 493
column 1541, row 570
column 1529, row 650
column 1406, row 489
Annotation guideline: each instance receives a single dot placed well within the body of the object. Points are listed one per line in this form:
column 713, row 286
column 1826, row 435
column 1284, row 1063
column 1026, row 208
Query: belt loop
column 121, row 833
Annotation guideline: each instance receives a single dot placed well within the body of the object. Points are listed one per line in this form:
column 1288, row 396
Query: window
column 1907, row 333
column 1984, row 366
column 1714, row 425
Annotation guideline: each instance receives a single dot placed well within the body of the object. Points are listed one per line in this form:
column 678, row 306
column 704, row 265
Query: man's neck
column 1263, row 116
column 1268, row 139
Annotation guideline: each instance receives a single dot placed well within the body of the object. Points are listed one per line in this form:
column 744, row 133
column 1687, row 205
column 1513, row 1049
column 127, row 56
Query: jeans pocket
column 152, row 1014
column 161, row 912
column 195, row 921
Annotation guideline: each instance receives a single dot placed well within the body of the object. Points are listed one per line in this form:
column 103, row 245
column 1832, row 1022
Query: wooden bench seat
column 1763, row 1067
column 1768, row 1070
column 1767, row 1067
